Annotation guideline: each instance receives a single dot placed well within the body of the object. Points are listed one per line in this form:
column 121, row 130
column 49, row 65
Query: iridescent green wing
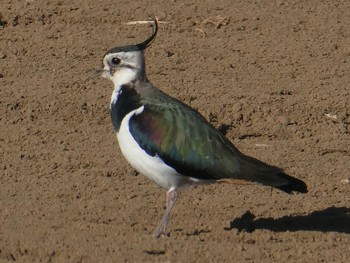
column 184, row 140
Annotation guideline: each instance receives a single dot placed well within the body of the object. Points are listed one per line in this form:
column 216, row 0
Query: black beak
column 95, row 73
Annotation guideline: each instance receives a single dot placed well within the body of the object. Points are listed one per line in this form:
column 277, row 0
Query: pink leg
column 171, row 197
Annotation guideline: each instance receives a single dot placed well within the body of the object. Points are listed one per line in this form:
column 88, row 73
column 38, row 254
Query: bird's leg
column 171, row 197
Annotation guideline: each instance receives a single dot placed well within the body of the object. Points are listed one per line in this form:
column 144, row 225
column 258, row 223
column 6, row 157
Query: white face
column 122, row 67
column 115, row 62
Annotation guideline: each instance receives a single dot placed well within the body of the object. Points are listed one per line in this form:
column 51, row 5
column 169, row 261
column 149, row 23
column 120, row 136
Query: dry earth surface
column 272, row 75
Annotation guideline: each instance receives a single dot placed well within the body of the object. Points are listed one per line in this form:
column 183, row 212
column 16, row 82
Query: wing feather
column 183, row 139
column 186, row 141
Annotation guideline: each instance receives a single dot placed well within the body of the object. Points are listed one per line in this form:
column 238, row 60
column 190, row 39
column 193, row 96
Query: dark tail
column 293, row 184
column 260, row 172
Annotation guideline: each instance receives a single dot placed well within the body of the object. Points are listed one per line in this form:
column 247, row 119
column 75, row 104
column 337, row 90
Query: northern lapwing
column 168, row 141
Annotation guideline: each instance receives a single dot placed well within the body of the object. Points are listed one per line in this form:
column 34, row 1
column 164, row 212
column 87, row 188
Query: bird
column 171, row 143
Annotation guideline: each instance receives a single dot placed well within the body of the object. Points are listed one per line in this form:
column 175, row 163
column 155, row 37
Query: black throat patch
column 128, row 100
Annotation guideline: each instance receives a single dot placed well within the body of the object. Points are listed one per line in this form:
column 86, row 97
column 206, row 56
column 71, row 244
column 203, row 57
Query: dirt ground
column 273, row 75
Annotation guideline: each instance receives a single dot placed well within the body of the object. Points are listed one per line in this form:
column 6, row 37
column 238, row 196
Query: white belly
column 152, row 167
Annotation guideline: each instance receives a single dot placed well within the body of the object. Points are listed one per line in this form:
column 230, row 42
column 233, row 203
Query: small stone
column 346, row 181
column 169, row 54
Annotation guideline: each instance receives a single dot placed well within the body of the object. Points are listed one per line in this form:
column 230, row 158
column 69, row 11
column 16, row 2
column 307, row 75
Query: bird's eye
column 115, row 61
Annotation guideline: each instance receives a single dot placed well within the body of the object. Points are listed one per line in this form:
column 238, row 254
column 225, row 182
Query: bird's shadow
column 331, row 219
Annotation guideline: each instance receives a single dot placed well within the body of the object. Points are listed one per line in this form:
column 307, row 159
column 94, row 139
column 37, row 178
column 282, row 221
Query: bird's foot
column 161, row 231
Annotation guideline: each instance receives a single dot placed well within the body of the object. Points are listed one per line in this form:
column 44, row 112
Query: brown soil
column 274, row 75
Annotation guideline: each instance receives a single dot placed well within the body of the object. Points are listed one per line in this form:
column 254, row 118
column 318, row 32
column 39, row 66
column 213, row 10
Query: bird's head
column 127, row 63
